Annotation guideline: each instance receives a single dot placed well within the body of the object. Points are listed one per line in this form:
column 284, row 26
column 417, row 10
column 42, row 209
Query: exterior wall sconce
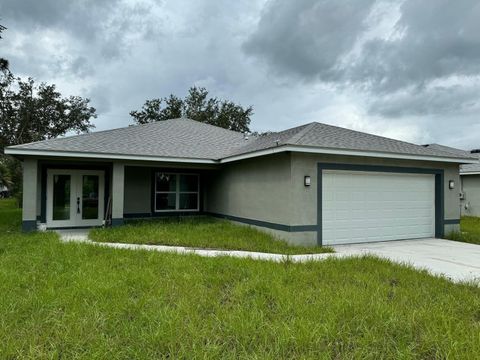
column 307, row 181
column 451, row 184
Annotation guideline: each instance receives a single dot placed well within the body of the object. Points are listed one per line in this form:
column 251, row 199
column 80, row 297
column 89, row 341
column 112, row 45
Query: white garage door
column 370, row 206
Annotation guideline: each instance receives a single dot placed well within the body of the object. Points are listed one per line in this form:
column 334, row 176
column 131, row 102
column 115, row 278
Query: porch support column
column 30, row 188
column 118, row 191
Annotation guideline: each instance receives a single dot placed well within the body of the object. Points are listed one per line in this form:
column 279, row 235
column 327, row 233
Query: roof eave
column 104, row 156
column 462, row 173
column 346, row 152
column 282, row 148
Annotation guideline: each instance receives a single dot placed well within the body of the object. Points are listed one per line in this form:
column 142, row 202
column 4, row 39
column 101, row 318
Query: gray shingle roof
column 454, row 151
column 179, row 138
column 468, row 168
column 334, row 137
column 184, row 138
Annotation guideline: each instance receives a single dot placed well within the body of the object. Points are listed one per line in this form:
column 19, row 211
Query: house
column 4, row 192
column 470, row 180
column 312, row 184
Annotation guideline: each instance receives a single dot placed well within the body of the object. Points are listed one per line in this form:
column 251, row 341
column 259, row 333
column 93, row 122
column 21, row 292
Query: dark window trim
column 439, row 189
column 177, row 192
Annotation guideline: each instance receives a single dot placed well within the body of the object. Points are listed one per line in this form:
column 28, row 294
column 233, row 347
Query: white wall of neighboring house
column 471, row 195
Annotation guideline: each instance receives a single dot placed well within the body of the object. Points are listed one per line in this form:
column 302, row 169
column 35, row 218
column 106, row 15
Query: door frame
column 439, row 188
column 75, row 191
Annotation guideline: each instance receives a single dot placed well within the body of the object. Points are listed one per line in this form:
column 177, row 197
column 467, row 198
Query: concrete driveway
column 457, row 261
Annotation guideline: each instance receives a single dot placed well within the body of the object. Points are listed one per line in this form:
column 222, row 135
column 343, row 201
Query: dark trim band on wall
column 439, row 188
column 117, row 222
column 29, row 225
column 266, row 224
column 451, row 222
column 74, row 227
column 161, row 214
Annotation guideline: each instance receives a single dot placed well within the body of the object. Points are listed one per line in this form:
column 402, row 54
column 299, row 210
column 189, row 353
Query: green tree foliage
column 5, row 180
column 3, row 62
column 30, row 112
column 196, row 106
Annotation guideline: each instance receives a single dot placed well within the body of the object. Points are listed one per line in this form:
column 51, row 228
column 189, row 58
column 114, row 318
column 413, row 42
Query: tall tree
column 30, row 112
column 5, row 176
column 3, row 62
column 196, row 106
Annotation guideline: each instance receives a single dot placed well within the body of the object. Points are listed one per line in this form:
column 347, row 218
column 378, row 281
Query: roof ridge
column 298, row 136
column 203, row 123
column 370, row 134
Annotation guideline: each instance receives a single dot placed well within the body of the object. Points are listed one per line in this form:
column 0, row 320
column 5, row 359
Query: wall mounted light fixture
column 307, row 181
column 451, row 184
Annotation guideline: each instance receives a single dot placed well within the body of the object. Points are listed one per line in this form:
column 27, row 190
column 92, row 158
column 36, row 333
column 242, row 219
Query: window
column 176, row 192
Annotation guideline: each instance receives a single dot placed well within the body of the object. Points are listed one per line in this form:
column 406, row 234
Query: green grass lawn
column 200, row 232
column 78, row 301
column 469, row 230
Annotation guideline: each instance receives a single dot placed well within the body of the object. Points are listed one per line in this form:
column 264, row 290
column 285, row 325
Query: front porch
column 59, row 194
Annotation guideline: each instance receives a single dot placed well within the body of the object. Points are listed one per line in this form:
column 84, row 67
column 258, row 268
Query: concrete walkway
column 82, row 236
column 455, row 260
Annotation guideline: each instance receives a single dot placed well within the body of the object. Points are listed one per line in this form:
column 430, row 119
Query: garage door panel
column 364, row 207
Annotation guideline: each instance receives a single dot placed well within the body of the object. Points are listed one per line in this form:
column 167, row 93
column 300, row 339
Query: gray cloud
column 107, row 27
column 388, row 69
column 82, row 18
column 439, row 39
column 308, row 37
column 336, row 43
column 455, row 100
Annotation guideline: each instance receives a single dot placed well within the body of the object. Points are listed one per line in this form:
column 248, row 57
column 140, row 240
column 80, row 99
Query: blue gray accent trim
column 302, row 228
column 161, row 214
column 74, row 227
column 29, row 225
column 439, row 188
column 451, row 221
column 43, row 195
column 137, row 216
column 266, row 224
column 117, row 222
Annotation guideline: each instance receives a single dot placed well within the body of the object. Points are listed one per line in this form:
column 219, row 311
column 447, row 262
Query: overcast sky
column 408, row 70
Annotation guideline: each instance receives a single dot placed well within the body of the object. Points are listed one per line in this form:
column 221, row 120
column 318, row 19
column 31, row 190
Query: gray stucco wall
column 257, row 189
column 138, row 193
column 30, row 194
column 268, row 189
column 471, row 190
column 271, row 189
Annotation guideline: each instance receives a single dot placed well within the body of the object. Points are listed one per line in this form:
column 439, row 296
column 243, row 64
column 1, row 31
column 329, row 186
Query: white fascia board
column 104, row 156
column 284, row 148
column 470, row 173
column 317, row 150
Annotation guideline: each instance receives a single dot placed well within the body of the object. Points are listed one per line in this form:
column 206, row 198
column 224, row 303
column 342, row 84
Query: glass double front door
column 75, row 198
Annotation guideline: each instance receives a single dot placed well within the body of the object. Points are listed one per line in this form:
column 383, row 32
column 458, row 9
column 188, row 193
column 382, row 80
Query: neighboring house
column 311, row 184
column 4, row 192
column 470, row 177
